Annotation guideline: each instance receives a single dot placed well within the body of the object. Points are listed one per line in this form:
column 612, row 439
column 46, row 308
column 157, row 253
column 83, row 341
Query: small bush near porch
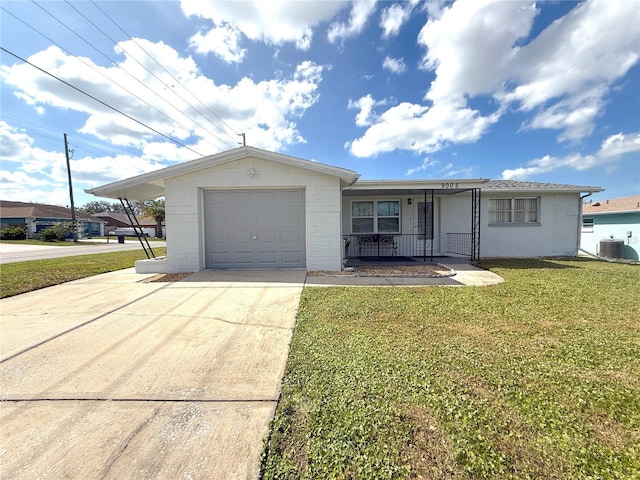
column 538, row 377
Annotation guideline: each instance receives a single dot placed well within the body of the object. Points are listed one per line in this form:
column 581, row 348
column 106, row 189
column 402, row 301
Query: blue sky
column 538, row 91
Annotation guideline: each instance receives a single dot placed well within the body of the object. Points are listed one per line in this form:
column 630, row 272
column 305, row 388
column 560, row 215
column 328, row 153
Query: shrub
column 56, row 233
column 13, row 233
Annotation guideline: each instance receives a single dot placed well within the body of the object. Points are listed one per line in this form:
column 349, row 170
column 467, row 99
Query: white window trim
column 375, row 216
column 512, row 223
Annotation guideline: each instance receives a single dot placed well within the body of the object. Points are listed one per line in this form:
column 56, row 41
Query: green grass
column 538, row 377
column 39, row 242
column 21, row 277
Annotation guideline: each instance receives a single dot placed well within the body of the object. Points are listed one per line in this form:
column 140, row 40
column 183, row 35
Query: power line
column 100, row 101
column 36, row 134
column 113, row 62
column 168, row 72
column 38, row 127
column 91, row 147
column 98, row 71
column 155, row 76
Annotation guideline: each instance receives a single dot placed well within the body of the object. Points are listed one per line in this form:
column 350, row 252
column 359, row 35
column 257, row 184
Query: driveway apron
column 114, row 377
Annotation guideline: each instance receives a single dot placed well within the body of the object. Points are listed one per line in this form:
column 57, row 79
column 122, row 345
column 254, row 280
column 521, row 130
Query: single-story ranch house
column 250, row 208
column 35, row 217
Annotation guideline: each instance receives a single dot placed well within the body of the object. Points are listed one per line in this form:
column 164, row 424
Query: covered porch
column 409, row 221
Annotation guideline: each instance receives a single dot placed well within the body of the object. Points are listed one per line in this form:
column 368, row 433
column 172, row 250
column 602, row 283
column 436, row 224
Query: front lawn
column 21, row 277
column 538, row 377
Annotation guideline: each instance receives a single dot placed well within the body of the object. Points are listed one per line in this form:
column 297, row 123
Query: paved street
column 10, row 252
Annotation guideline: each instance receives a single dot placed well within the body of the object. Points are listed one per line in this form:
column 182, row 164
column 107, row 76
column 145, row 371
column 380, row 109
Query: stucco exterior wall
column 455, row 217
column 556, row 235
column 185, row 220
column 613, row 225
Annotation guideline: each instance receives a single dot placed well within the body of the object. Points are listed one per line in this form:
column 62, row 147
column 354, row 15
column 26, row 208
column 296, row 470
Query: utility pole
column 244, row 139
column 74, row 226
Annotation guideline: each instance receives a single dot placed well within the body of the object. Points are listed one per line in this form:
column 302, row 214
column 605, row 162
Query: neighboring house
column 120, row 222
column 36, row 217
column 612, row 220
column 250, row 208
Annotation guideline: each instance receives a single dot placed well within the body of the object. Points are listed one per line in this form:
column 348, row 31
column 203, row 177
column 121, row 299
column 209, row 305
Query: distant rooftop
column 617, row 205
column 10, row 209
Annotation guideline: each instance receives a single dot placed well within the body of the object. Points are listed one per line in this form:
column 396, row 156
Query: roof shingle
column 625, row 204
column 10, row 209
column 531, row 186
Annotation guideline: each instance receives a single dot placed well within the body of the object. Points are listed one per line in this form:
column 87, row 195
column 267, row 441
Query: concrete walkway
column 111, row 378
column 463, row 274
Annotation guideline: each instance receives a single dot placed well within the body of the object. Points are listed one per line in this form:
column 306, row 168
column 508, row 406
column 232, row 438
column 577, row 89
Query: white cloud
column 33, row 174
column 450, row 171
column 426, row 164
column 361, row 10
column 610, row 152
column 223, row 41
column 567, row 71
column 266, row 110
column 441, row 171
column 421, row 129
column 393, row 17
column 365, row 116
column 469, row 46
column 274, row 22
column 12, row 142
column 394, row 65
column 482, row 48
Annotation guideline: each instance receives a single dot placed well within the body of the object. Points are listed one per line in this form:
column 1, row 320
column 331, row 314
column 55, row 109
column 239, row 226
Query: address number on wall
column 450, row 185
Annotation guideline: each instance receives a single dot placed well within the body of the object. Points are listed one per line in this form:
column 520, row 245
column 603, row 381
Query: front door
column 425, row 219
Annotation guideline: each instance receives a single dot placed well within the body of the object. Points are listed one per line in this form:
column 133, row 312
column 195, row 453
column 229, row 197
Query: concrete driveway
column 113, row 377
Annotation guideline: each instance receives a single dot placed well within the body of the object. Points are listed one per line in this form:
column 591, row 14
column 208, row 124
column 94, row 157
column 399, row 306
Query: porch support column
column 433, row 228
column 475, row 224
column 424, row 222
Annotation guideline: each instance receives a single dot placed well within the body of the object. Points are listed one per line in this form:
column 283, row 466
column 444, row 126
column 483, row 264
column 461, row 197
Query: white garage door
column 254, row 228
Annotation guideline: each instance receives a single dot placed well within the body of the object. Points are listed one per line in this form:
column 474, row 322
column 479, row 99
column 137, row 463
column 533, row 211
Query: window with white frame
column 587, row 225
column 509, row 211
column 375, row 216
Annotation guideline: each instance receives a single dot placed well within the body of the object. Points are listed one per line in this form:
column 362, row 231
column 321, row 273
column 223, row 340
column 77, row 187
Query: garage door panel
column 266, row 220
column 242, row 237
column 254, row 228
column 219, row 257
column 267, row 197
column 243, row 258
column 291, row 257
column 219, row 237
column 267, row 237
column 292, row 236
column 268, row 258
column 241, row 197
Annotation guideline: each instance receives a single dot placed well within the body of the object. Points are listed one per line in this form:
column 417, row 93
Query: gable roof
column 618, row 205
column 10, row 209
column 524, row 187
column 151, row 185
